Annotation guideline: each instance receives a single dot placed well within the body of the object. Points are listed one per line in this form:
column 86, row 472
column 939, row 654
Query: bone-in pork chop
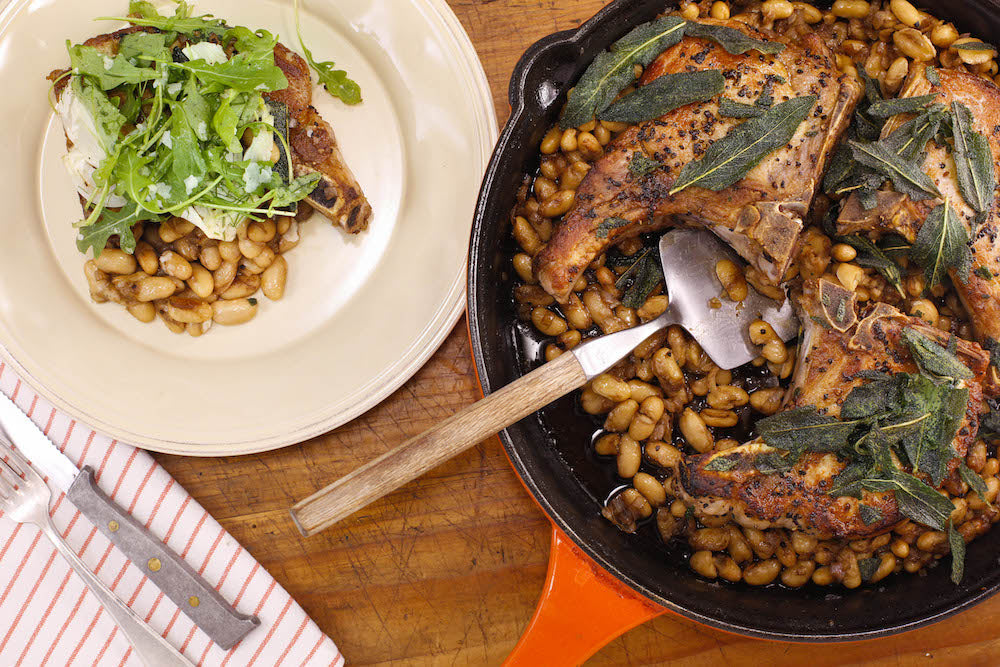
column 835, row 349
column 761, row 214
column 895, row 212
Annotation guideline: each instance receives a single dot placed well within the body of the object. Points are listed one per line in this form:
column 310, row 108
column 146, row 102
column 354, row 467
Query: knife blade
column 178, row 580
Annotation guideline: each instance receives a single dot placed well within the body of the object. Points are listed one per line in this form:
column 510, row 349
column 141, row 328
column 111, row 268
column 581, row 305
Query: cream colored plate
column 361, row 314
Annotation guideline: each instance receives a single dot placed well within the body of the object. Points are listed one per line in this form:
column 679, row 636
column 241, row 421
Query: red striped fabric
column 47, row 615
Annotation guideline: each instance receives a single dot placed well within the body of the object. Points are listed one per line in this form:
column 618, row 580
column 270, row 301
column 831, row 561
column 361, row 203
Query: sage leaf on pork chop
column 973, row 162
column 934, row 359
column 608, row 224
column 886, row 108
column 612, row 70
column 906, row 175
column 731, row 157
column 805, row 429
column 641, row 164
column 942, row 244
column 731, row 109
column 664, row 94
column 732, row 40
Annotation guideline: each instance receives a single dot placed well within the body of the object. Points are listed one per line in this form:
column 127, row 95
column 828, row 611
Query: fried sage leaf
column 645, row 274
column 730, row 158
column 942, row 244
column 608, row 224
column 722, row 463
column 731, row 109
column 932, row 75
column 872, row 257
column 973, row 162
column 886, row 108
column 974, row 481
column 934, row 359
column 613, row 70
column 909, row 140
column 906, row 175
column 732, row 40
column 916, row 499
column 664, row 94
column 641, row 164
column 957, row 544
column 805, row 429
column 870, row 515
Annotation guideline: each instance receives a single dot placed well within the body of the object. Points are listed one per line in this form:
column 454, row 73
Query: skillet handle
column 582, row 608
column 438, row 444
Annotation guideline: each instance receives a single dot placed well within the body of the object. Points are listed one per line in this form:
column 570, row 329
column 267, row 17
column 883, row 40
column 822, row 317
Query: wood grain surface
column 448, row 569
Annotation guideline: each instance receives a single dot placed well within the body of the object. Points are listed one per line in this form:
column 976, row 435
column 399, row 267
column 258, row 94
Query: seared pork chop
column 897, row 213
column 760, row 215
column 836, row 347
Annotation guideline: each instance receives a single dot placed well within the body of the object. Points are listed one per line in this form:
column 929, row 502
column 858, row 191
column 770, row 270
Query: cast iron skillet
column 550, row 450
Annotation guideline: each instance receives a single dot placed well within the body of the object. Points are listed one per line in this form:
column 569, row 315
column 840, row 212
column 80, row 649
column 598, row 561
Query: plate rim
column 400, row 370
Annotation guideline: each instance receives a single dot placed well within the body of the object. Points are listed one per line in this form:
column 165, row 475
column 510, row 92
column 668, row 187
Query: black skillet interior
column 550, row 450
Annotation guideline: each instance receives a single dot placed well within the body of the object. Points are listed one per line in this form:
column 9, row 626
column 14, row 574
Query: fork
column 24, row 497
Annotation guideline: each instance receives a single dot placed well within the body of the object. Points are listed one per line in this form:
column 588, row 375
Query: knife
column 171, row 574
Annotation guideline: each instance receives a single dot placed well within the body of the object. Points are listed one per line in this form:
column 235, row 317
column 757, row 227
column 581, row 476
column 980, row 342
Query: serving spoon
column 721, row 327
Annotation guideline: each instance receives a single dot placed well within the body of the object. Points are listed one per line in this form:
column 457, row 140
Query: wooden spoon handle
column 438, row 444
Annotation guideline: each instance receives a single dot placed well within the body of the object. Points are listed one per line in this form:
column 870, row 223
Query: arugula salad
column 176, row 123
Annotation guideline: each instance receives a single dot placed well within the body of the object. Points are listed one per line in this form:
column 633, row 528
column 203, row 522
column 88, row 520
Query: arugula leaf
column 942, row 244
column 242, row 73
column 906, row 175
column 731, row 157
column 957, row 544
column 933, row 358
column 640, row 165
column 613, row 70
column 147, row 46
column 95, row 236
column 608, row 224
column 109, row 72
column 872, row 257
column 973, row 162
column 805, row 429
column 732, row 40
column 336, row 81
column 665, row 94
column 887, row 108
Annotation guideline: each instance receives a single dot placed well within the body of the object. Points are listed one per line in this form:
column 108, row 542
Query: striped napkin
column 47, row 614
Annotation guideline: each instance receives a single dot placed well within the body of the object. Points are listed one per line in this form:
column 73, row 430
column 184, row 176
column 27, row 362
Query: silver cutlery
column 24, row 497
column 179, row 582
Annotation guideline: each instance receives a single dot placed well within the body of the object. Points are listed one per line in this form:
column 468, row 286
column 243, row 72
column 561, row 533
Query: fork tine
column 15, row 457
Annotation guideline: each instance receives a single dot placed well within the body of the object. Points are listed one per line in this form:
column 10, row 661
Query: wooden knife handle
column 432, row 447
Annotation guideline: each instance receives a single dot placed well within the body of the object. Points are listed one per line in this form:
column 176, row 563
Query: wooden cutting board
column 448, row 569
